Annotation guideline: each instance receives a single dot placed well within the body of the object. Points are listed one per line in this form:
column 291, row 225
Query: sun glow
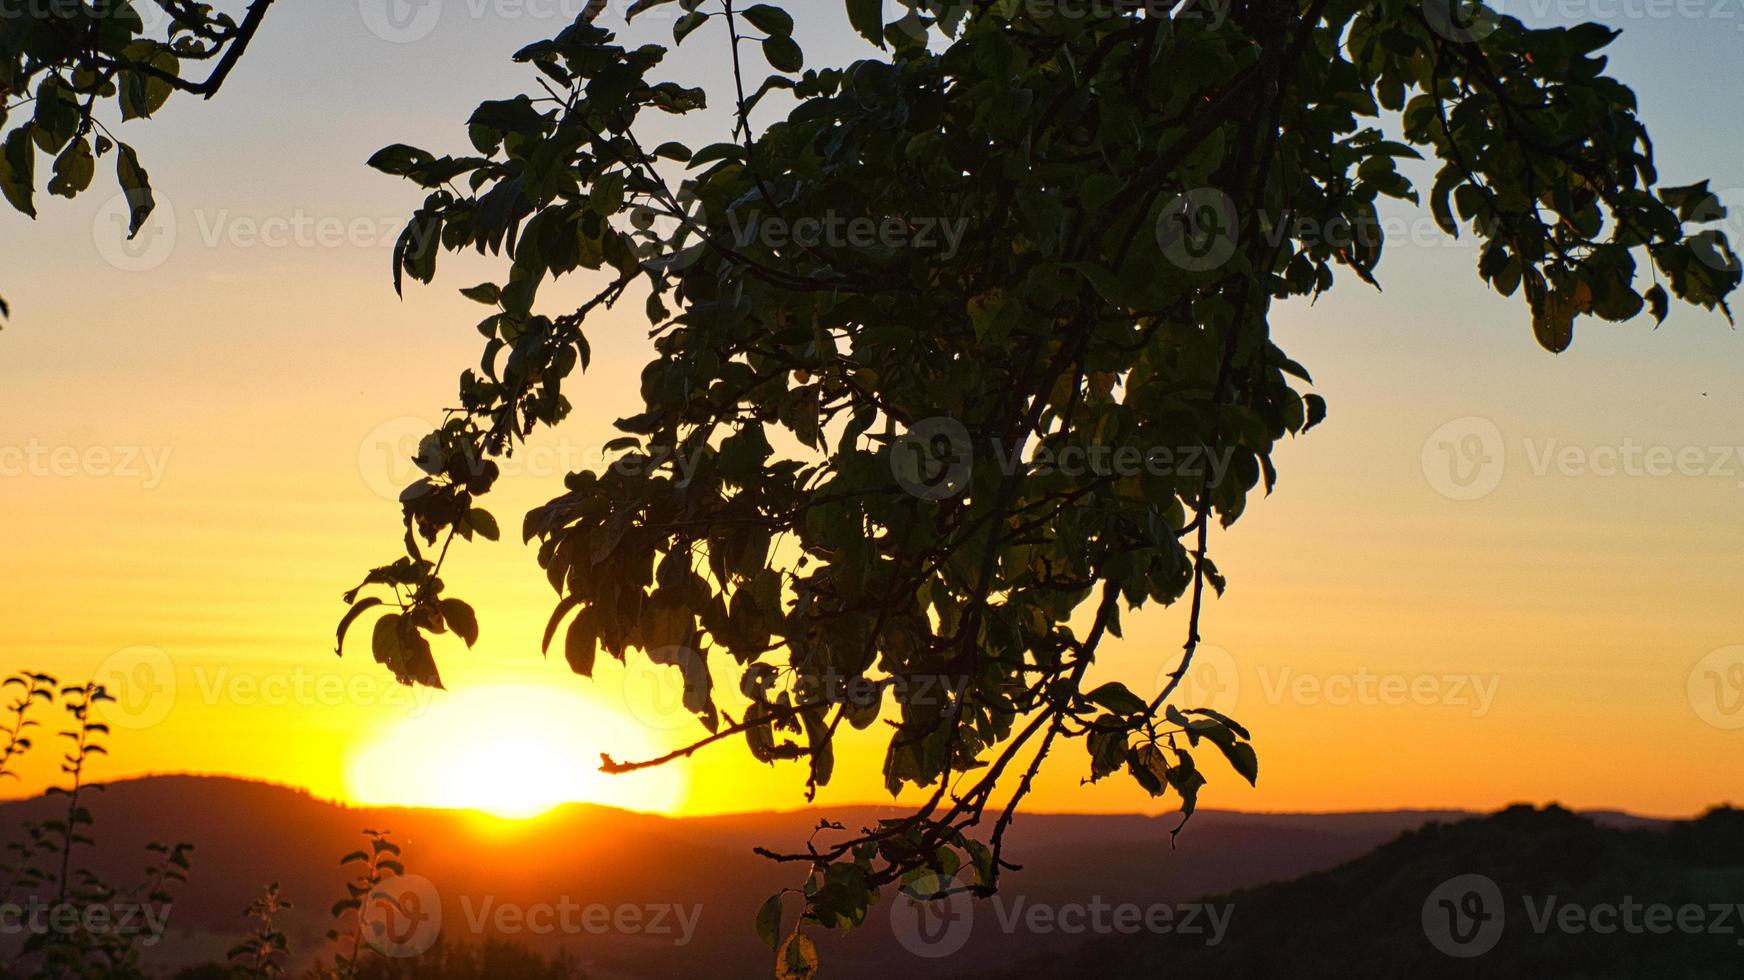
column 511, row 751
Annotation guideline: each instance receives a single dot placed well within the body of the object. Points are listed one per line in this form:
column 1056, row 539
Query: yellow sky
column 1389, row 645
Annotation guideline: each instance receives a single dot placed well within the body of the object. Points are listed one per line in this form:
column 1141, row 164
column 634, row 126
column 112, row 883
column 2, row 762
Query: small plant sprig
column 266, row 950
column 81, row 951
column 85, row 734
column 113, row 953
column 32, row 688
column 64, row 952
column 377, row 863
column 22, row 868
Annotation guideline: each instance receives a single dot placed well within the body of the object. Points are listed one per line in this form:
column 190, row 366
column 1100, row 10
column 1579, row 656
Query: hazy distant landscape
column 693, row 883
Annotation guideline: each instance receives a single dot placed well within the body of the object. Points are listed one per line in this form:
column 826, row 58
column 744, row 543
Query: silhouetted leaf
column 769, row 921
column 357, row 609
column 797, row 959
column 461, row 619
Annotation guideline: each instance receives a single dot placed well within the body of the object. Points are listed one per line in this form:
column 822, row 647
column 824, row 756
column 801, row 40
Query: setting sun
column 511, row 751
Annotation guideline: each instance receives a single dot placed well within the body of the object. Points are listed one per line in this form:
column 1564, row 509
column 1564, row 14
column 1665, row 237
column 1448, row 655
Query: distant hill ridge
column 249, row 833
column 1524, row 893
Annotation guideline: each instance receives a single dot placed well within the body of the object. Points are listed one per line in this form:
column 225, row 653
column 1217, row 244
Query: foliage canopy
column 62, row 61
column 803, row 501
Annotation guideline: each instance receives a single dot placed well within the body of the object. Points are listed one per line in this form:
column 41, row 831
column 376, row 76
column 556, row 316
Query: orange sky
column 1389, row 645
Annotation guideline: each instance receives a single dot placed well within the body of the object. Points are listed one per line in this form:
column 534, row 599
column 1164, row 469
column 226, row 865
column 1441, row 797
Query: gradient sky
column 1554, row 639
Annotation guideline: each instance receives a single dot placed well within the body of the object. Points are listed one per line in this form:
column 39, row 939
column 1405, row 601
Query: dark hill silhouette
column 1367, row 918
column 247, row 834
